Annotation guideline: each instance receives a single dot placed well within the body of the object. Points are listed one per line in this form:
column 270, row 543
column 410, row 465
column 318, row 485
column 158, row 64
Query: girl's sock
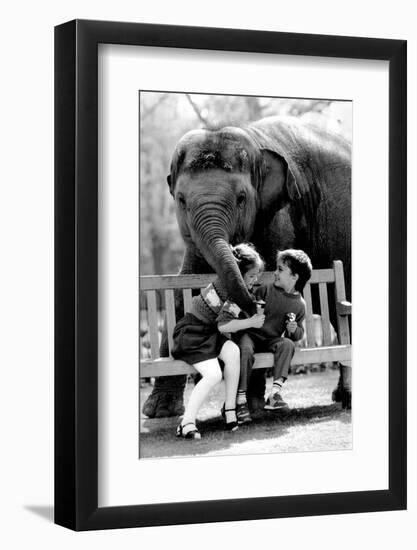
column 231, row 416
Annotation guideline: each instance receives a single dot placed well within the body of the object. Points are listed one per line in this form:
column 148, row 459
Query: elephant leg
column 167, row 397
column 256, row 390
column 343, row 391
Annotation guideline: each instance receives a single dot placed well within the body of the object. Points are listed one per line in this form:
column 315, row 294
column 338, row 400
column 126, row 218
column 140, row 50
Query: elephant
column 278, row 183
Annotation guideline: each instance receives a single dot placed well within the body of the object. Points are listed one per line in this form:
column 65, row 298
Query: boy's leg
column 247, row 350
column 257, row 379
column 283, row 350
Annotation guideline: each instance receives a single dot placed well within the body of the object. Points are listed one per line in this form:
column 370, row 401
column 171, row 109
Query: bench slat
column 317, row 276
column 187, row 295
column 342, row 321
column 302, row 356
column 309, row 316
column 344, row 308
column 170, row 313
column 153, row 323
column 156, row 282
column 322, row 276
column 325, row 319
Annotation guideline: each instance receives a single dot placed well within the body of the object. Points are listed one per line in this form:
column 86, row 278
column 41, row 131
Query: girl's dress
column 196, row 337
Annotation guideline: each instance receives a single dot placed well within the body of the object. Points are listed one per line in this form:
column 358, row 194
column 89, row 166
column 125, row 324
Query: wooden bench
column 155, row 365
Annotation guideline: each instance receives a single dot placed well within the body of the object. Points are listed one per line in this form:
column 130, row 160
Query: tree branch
column 197, row 110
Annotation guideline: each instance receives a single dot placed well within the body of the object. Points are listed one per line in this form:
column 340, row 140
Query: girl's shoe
column 191, row 433
column 230, row 426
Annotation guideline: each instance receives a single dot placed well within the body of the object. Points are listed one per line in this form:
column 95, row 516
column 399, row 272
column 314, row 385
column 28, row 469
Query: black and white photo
column 227, row 184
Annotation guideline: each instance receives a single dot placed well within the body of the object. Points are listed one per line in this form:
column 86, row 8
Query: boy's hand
column 291, row 327
column 257, row 320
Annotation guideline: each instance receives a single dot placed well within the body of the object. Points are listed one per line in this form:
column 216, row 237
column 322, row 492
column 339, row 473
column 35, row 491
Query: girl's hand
column 257, row 320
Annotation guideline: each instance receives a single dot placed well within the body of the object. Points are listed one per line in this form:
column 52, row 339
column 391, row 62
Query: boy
column 284, row 315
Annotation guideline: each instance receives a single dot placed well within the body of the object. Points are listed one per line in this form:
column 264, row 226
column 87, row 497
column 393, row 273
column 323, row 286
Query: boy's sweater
column 277, row 304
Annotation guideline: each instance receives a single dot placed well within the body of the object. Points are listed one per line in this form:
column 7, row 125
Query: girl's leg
column 211, row 375
column 230, row 355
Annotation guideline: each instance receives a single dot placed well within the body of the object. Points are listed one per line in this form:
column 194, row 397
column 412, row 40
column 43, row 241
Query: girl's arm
column 234, row 325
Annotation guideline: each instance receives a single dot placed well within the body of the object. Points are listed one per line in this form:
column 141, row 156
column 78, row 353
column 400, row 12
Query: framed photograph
column 230, row 275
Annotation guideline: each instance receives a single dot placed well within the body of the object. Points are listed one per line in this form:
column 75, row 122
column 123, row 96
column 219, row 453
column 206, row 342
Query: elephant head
column 221, row 181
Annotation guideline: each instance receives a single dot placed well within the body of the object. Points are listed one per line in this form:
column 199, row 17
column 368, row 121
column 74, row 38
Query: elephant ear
column 176, row 163
column 278, row 185
column 169, row 182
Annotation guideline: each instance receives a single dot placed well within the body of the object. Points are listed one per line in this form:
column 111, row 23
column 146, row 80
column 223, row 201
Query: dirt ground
column 312, row 423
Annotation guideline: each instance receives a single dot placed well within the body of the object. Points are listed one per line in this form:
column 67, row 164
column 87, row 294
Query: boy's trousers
column 249, row 344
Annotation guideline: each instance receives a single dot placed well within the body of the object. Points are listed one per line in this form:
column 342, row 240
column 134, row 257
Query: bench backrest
column 157, row 307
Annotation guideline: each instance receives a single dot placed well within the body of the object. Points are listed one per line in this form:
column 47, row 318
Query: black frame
column 76, row 270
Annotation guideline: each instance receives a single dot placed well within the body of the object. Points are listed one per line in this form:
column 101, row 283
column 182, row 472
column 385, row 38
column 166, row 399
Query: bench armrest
column 344, row 308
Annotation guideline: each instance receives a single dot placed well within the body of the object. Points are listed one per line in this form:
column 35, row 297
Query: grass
column 312, row 423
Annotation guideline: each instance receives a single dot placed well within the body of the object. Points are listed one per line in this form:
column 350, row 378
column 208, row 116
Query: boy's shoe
column 275, row 402
column 243, row 414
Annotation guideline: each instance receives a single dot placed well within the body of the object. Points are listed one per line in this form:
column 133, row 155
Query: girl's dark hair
column 247, row 257
column 299, row 264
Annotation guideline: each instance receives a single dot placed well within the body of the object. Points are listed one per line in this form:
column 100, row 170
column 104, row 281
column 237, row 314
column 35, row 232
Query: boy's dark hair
column 247, row 257
column 299, row 264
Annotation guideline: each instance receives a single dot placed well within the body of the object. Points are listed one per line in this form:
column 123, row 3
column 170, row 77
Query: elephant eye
column 181, row 200
column 241, row 199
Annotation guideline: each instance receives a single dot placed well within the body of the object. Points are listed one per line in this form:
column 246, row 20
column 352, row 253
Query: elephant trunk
column 212, row 230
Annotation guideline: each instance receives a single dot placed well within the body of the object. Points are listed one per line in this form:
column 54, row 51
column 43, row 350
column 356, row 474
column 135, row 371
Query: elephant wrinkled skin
column 277, row 183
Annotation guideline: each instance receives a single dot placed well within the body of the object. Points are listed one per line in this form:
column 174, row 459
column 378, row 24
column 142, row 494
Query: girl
column 199, row 339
